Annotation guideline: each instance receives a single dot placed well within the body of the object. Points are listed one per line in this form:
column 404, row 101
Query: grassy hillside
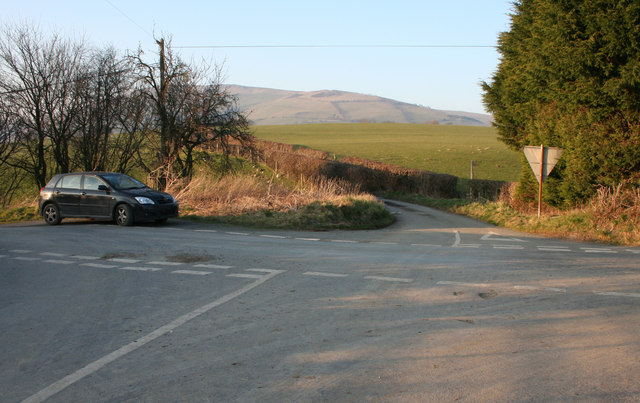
column 436, row 148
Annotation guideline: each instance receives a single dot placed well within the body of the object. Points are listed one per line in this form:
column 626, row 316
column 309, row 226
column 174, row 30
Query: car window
column 120, row 181
column 92, row 182
column 70, row 182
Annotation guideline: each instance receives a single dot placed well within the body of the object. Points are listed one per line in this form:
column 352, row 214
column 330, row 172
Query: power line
column 129, row 18
column 329, row 46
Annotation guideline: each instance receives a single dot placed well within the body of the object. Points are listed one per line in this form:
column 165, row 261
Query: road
column 436, row 307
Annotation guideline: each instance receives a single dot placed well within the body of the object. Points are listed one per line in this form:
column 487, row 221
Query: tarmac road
column 436, row 307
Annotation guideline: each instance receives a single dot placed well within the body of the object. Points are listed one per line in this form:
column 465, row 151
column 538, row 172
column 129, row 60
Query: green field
column 436, row 148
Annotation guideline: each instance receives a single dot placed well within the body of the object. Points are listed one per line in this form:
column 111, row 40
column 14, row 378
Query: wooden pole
column 541, row 173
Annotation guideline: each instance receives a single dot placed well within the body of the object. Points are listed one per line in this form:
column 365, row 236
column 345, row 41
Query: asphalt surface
column 436, row 307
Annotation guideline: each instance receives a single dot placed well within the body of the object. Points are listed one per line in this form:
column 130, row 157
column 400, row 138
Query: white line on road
column 598, row 250
column 342, row 241
column 393, row 279
column 212, row 266
column 514, row 247
column 84, row 257
column 321, row 274
column 166, row 263
column 244, row 275
column 95, row 366
column 30, row 258
column 457, row 243
column 21, row 251
column 140, row 268
column 98, row 265
column 237, row 233
column 553, row 249
column 206, row 230
column 193, row 272
column 52, row 254
column 273, row 236
column 537, row 288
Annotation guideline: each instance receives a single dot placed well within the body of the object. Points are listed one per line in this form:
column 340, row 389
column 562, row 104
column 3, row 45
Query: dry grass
column 207, row 195
column 611, row 216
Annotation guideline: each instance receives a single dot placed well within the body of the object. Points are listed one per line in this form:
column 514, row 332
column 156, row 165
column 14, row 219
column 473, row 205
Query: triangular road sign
column 551, row 157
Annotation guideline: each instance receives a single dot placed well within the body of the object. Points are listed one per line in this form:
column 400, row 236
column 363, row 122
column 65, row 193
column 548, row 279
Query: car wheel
column 51, row 214
column 124, row 215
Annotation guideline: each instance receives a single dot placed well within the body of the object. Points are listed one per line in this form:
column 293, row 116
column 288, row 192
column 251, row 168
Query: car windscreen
column 123, row 182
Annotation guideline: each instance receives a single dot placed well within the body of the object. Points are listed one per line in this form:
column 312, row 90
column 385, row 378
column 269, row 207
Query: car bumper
column 153, row 212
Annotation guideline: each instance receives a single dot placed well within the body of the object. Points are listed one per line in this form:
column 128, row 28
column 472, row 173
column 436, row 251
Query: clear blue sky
column 439, row 77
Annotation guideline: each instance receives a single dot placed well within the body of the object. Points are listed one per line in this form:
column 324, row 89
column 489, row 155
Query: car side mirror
column 104, row 187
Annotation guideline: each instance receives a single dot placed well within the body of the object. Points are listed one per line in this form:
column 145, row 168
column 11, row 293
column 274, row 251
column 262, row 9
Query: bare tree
column 38, row 81
column 191, row 108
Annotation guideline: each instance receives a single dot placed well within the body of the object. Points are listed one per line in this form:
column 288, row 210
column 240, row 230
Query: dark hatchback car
column 103, row 195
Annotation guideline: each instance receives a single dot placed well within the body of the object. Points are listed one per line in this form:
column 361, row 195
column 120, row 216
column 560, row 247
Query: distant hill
column 267, row 106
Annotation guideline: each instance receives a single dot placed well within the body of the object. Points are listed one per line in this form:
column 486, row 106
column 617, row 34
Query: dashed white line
column 598, row 250
column 237, row 233
column 29, row 258
column 206, row 230
column 553, row 249
column 138, row 268
column 21, row 251
column 212, row 266
column 392, row 279
column 52, row 254
column 482, row 285
column 163, row 263
column 308, row 239
column 342, row 241
column 245, row 275
column 273, row 236
column 120, row 260
column 192, row 272
column 99, row 265
column 537, row 288
column 513, row 247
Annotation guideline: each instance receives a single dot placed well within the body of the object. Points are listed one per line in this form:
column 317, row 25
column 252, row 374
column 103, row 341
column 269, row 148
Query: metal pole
column 541, row 173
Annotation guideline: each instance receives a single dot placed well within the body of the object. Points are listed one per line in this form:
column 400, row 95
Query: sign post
column 542, row 161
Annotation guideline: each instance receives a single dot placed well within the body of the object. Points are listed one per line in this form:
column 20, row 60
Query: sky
column 433, row 53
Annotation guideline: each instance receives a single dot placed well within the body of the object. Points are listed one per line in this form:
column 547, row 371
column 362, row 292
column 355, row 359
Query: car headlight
column 144, row 200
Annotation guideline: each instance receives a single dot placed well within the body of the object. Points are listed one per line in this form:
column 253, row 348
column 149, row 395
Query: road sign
column 548, row 155
column 542, row 160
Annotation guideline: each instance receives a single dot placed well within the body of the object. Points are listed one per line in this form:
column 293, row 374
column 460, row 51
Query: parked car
column 103, row 195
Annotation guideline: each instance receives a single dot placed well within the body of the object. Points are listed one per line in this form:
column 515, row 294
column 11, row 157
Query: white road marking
column 321, row 274
column 166, row 263
column 95, row 366
column 618, row 294
column 52, row 254
column 30, row 258
column 212, row 266
column 633, row 250
column 273, row 236
column 264, row 270
column 21, row 251
column 598, row 250
column 514, row 247
column 426, row 244
column 84, row 257
column 384, row 243
column 307, row 239
column 98, row 265
column 342, row 241
column 457, row 243
column 244, row 275
column 140, row 268
column 393, row 279
column 554, row 249
column 492, row 236
column 206, row 230
column 119, row 260
column 237, row 233
column 194, row 272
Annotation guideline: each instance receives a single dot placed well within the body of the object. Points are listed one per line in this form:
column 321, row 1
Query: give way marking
column 93, row 367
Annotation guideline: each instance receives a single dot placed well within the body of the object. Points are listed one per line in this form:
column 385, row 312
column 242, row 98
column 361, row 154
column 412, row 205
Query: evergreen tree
column 569, row 76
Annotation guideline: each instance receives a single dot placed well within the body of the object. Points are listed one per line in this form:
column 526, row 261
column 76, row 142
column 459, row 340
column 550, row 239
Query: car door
column 97, row 199
column 68, row 195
